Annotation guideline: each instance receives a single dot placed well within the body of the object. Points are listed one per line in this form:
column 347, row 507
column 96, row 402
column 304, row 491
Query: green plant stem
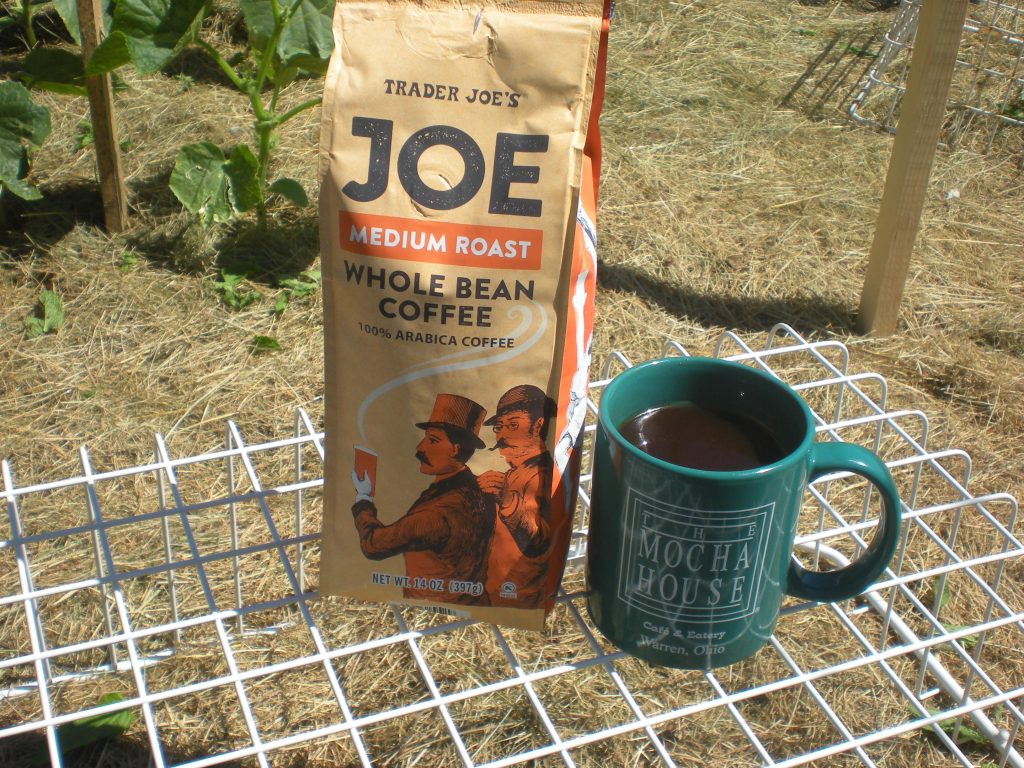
column 264, row 127
column 26, row 23
column 265, row 132
column 280, row 20
column 284, row 118
column 226, row 68
column 266, row 122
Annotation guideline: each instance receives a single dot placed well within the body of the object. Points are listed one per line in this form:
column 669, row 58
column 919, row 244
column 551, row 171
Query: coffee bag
column 459, row 159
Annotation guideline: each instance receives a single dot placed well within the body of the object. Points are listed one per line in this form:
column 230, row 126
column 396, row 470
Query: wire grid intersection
column 190, row 583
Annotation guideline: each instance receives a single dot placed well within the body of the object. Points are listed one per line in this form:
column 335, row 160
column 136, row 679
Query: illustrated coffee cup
column 700, row 469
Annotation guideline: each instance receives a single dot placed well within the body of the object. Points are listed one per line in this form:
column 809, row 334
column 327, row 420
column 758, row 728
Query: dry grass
column 723, row 206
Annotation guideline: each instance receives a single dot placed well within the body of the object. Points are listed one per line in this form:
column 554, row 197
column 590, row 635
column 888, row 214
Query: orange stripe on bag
column 440, row 242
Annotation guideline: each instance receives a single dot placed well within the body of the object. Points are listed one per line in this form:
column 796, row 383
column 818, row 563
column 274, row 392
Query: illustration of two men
column 468, row 539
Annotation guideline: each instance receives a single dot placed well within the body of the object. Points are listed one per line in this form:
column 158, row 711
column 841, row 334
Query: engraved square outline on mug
column 639, row 506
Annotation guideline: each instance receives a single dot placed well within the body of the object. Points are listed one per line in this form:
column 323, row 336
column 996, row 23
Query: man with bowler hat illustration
column 444, row 535
column 517, row 567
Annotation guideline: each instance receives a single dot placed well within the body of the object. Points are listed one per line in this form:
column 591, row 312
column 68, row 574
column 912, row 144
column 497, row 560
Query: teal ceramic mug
column 687, row 567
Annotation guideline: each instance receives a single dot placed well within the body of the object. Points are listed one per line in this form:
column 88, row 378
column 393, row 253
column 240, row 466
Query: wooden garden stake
column 101, row 107
column 939, row 27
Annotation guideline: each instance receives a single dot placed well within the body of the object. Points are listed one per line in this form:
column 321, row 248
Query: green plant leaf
column 306, row 38
column 1014, row 108
column 259, row 20
column 967, row 641
column 245, row 299
column 48, row 317
column 151, row 32
column 290, row 190
column 20, row 117
column 242, row 170
column 227, row 289
column 965, row 734
column 941, row 583
column 230, row 279
column 265, row 344
column 306, row 283
column 84, row 135
column 200, row 182
column 863, row 53
column 308, row 35
column 13, row 169
column 33, row 327
column 185, row 82
column 111, row 53
column 298, row 288
column 68, row 12
column 53, row 310
column 55, row 69
column 23, row 125
column 88, row 730
column 128, row 261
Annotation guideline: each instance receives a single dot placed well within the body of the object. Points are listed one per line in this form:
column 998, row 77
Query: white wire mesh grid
column 986, row 99
column 163, row 567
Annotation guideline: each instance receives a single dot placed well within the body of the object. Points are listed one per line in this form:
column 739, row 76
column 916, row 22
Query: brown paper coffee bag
column 458, row 165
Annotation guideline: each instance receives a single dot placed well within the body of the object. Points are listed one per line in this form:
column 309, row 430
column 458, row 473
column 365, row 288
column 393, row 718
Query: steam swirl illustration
column 455, row 362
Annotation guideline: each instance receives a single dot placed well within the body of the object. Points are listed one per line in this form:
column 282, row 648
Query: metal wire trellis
column 225, row 566
column 986, row 100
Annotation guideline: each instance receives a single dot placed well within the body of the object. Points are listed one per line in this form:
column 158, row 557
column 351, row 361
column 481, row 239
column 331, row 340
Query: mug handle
column 851, row 580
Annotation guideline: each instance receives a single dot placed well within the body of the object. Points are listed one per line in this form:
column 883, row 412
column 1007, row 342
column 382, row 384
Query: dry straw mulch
column 724, row 205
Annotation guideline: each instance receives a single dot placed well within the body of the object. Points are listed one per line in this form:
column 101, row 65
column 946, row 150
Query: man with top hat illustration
column 517, row 567
column 444, row 535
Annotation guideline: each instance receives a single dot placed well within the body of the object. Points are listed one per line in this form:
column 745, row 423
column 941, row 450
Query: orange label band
column 440, row 242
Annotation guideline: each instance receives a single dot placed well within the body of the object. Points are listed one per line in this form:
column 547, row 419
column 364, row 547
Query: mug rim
column 710, row 474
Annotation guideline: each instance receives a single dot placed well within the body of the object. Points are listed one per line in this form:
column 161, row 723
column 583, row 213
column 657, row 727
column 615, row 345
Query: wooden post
column 104, row 129
column 923, row 108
